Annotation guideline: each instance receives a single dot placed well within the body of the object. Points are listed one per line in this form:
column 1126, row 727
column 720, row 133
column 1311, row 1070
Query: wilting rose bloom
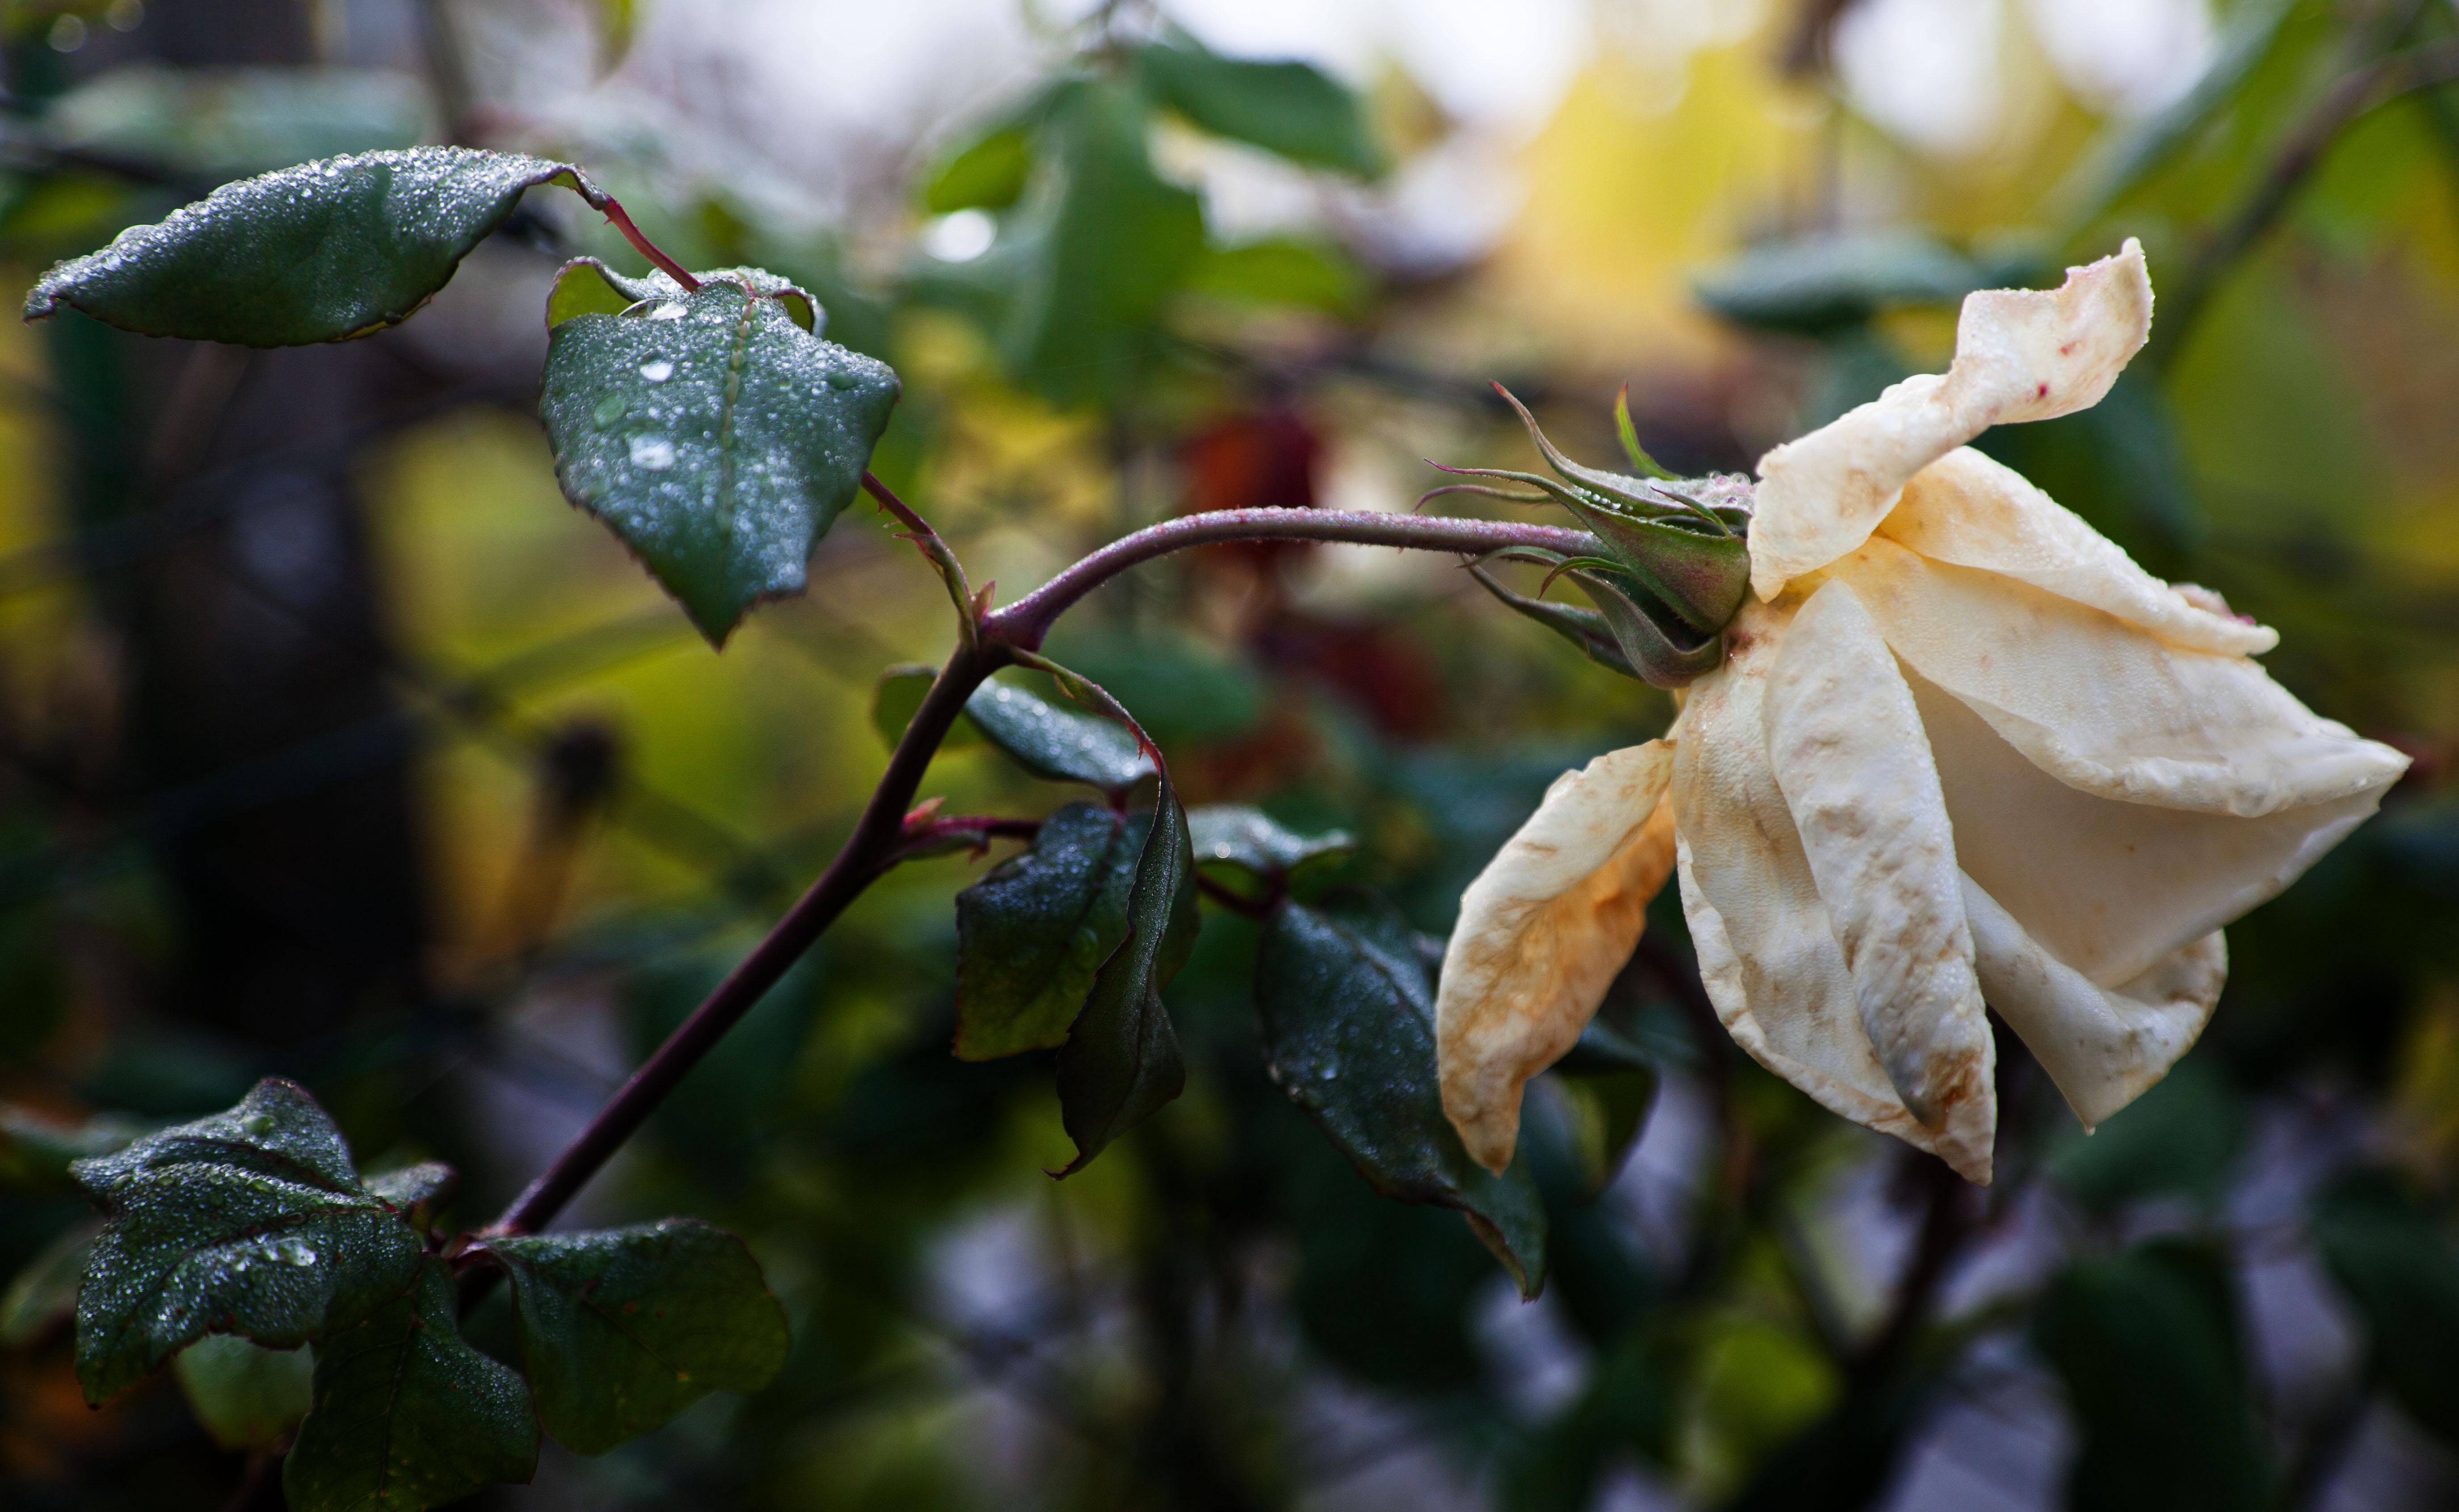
column 1961, row 750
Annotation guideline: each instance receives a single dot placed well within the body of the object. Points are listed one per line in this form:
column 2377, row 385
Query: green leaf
column 988, row 174
column 1097, row 244
column 622, row 1329
column 2396, row 1263
column 1120, row 1062
column 1056, row 744
column 1244, row 838
column 1820, row 285
column 246, row 1396
column 408, row 1415
column 1292, row 110
column 1347, row 1001
column 2146, row 1344
column 715, row 436
column 45, row 1289
column 248, row 1222
column 1662, row 655
column 322, row 252
column 1032, row 935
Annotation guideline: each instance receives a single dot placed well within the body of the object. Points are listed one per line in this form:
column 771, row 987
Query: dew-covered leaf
column 245, row 1395
column 620, row 1329
column 248, row 1222
column 715, row 436
column 1059, row 744
column 2397, row 1264
column 1347, row 1001
column 1121, row 1063
column 406, row 1415
column 1292, row 110
column 413, row 1190
column 1033, row 933
column 321, row 252
column 1244, row 838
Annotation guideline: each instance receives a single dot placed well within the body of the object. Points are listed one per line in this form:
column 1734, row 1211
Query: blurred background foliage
column 334, row 744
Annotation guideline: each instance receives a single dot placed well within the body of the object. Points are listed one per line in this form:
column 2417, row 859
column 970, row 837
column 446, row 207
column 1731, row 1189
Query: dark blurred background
column 334, row 744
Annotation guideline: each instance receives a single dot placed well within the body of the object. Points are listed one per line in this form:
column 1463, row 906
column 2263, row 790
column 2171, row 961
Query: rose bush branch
column 881, row 833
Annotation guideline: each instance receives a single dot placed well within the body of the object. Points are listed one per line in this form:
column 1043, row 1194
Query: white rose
column 1961, row 750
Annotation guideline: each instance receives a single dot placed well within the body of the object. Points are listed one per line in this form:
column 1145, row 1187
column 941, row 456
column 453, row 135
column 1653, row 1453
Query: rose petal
column 2102, row 1047
column 1542, row 931
column 2020, row 354
column 1968, row 510
column 1847, row 749
column 2106, row 707
column 1770, row 960
column 2108, row 888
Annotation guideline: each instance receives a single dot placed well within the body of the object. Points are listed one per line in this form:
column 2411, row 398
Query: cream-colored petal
column 1767, row 951
column 2105, row 707
column 2102, row 1047
column 1542, row 931
column 2020, row 354
column 1974, row 511
column 2108, row 887
column 1846, row 745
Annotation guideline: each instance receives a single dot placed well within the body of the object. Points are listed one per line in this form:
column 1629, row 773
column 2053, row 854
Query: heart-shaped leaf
column 1056, row 744
column 715, row 435
column 1347, row 1001
column 1032, row 935
column 408, row 1415
column 249, row 1222
column 322, row 252
column 620, row 1329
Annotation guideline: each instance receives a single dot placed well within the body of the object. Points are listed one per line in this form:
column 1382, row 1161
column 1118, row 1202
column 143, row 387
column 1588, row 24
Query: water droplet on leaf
column 609, row 410
column 657, row 369
column 652, row 454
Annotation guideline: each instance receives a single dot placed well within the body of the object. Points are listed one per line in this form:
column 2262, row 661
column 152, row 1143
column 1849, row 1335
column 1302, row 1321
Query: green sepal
column 322, row 252
column 1628, row 434
column 1585, row 628
column 622, row 1329
column 1346, row 999
column 1653, row 650
column 406, row 1415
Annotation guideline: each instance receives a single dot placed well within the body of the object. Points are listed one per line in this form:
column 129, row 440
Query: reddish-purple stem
column 647, row 248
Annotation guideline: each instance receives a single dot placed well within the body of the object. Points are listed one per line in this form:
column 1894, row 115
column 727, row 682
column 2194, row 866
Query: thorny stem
column 1008, row 636
column 1025, row 623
